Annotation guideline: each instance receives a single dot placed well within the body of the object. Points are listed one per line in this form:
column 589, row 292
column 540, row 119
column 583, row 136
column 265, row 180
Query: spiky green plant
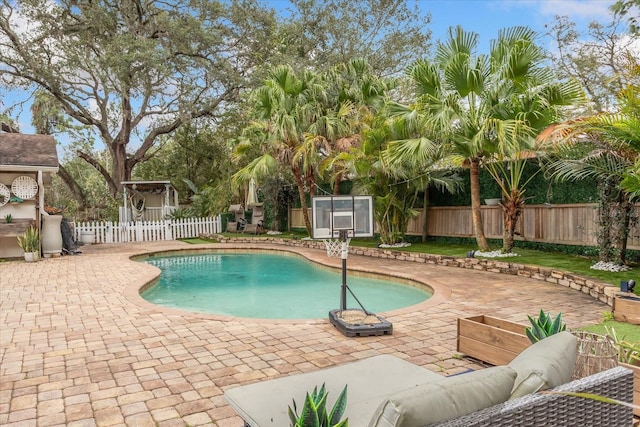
column 628, row 352
column 544, row 326
column 314, row 410
column 30, row 240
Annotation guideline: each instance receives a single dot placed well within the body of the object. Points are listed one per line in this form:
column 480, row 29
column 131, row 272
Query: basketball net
column 337, row 248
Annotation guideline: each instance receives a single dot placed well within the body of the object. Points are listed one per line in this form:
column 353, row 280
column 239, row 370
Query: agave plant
column 314, row 410
column 544, row 326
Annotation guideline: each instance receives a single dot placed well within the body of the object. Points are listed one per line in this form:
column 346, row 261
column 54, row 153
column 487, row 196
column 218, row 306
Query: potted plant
column 544, row 326
column 629, row 357
column 8, row 218
column 30, row 244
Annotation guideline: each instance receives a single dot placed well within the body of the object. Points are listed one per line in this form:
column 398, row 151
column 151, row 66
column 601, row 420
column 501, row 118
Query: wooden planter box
column 627, row 309
column 490, row 339
column 636, row 386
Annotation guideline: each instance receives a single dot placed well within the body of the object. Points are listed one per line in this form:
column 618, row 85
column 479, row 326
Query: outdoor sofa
column 386, row 391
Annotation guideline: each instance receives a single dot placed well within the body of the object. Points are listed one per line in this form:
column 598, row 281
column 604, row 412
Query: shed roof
column 148, row 185
column 20, row 152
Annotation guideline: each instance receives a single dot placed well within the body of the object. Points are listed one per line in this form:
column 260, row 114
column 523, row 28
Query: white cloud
column 588, row 10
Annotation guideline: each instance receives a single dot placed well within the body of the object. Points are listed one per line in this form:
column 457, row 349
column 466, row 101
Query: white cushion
column 368, row 381
column 546, row 364
column 445, row 399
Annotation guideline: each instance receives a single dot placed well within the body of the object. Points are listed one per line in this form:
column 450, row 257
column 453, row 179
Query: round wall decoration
column 4, row 195
column 24, row 187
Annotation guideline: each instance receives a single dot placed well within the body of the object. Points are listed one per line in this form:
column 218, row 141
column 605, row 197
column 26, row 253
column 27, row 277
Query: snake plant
column 314, row 410
column 544, row 326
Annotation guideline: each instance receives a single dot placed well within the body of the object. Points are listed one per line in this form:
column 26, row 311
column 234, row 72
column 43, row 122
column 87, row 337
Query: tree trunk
column 121, row 170
column 425, row 211
column 605, row 203
column 303, row 200
column 623, row 220
column 512, row 209
column 336, row 183
column 74, row 188
column 476, row 211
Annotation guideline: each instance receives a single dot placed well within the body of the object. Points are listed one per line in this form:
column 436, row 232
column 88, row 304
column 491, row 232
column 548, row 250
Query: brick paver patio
column 79, row 347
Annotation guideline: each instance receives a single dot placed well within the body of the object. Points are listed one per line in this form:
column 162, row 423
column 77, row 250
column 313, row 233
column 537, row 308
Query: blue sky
column 486, row 17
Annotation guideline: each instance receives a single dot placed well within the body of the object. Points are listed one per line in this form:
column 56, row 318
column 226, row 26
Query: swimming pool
column 268, row 286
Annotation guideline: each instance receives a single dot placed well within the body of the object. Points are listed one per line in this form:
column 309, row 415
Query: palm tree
column 394, row 185
column 605, row 147
column 483, row 105
column 355, row 96
column 285, row 107
column 301, row 121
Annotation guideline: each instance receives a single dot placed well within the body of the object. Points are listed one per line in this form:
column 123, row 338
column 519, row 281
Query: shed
column 27, row 165
column 147, row 200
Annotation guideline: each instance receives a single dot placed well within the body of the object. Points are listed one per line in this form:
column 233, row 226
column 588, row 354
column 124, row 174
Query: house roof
column 151, row 186
column 20, row 152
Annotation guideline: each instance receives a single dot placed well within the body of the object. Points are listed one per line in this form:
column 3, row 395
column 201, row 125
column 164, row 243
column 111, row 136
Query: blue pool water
column 267, row 286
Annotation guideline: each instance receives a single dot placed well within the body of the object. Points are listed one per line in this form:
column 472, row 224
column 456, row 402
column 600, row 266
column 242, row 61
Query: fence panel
column 575, row 224
column 146, row 231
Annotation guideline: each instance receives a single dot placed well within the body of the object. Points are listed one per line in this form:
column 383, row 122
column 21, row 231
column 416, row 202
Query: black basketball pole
column 344, row 252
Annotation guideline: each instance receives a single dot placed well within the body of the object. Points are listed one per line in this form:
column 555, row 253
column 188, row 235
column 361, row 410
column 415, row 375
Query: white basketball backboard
column 331, row 214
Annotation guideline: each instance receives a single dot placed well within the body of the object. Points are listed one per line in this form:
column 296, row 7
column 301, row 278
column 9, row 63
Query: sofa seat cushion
column 369, row 382
column 546, row 364
column 446, row 399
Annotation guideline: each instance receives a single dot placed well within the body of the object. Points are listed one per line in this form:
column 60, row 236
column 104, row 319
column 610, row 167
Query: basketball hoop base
column 381, row 327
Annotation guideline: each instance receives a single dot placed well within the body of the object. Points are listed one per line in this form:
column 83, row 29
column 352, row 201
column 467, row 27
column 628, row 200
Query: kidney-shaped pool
column 267, row 286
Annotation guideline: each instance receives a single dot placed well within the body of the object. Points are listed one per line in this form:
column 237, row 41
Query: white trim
column 23, row 168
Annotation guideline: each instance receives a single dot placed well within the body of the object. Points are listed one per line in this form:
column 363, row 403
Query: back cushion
column 446, row 399
column 546, row 364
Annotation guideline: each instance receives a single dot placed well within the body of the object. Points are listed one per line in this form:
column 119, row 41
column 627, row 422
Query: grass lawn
column 570, row 263
column 624, row 331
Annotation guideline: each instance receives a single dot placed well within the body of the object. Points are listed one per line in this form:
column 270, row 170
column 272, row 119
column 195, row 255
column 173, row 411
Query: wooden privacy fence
column 575, row 224
column 145, row 231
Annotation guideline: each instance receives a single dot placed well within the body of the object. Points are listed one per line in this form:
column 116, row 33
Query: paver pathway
column 79, row 347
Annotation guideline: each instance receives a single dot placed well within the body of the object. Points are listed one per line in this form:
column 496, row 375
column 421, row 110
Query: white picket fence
column 145, row 231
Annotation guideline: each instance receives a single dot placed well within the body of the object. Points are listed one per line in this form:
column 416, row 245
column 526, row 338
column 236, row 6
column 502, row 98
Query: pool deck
column 80, row 347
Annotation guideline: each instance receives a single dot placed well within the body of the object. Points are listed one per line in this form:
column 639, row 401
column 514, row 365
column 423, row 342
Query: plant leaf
column 557, row 324
column 338, row 408
column 293, row 414
column 308, row 416
column 321, row 408
column 592, row 396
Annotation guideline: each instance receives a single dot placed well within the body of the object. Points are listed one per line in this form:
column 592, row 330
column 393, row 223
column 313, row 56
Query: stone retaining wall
column 601, row 291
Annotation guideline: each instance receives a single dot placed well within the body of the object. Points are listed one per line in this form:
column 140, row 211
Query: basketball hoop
column 334, row 247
